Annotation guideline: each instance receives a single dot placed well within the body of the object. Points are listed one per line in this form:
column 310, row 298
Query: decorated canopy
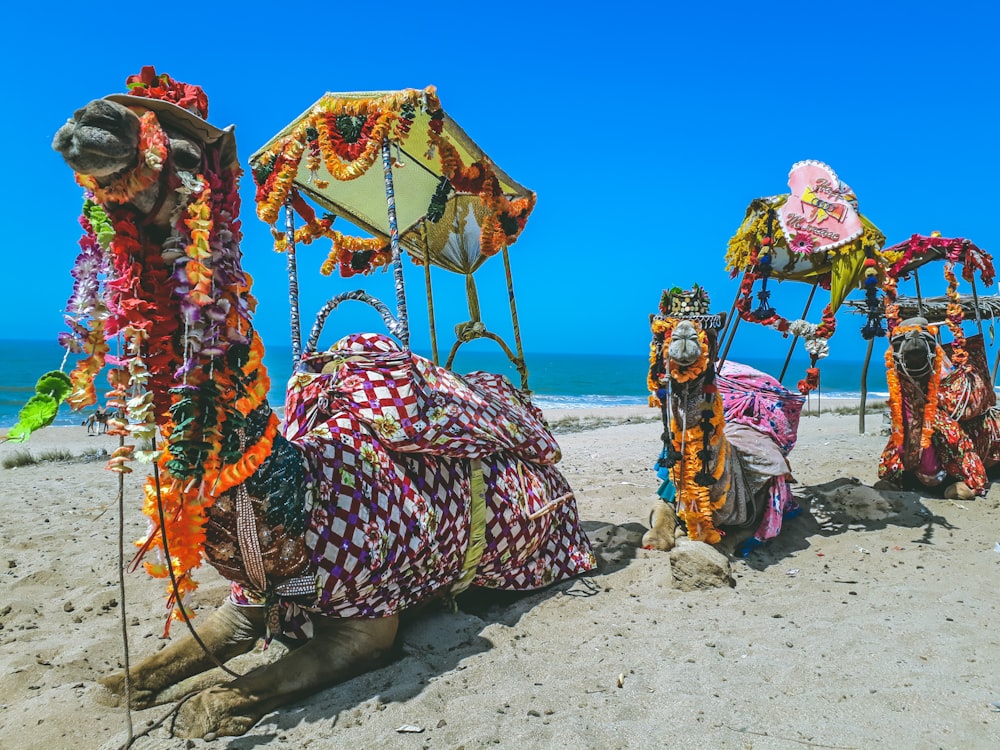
column 452, row 204
column 816, row 232
column 396, row 166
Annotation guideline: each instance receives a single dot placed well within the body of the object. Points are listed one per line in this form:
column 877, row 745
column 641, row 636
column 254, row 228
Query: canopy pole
column 795, row 338
column 293, row 282
column 397, row 261
column 430, row 310
column 522, row 368
column 920, row 301
column 864, row 386
column 430, row 294
column 732, row 323
column 975, row 300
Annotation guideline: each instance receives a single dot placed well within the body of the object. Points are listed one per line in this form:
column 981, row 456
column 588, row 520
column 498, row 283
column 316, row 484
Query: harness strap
column 477, row 528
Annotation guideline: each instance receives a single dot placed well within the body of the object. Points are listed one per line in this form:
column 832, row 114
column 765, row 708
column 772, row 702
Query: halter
column 926, row 341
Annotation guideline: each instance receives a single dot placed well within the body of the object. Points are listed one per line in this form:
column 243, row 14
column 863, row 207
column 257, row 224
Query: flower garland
column 957, row 250
column 350, row 255
column 891, row 461
column 690, row 451
column 345, row 135
column 124, row 186
column 193, row 363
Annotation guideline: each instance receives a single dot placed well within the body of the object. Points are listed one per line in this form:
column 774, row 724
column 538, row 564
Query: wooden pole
column 522, row 368
column 864, row 386
column 732, row 323
column 795, row 338
column 430, row 297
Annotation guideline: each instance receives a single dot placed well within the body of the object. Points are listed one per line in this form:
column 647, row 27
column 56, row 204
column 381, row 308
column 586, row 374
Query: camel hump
column 414, row 406
column 758, row 400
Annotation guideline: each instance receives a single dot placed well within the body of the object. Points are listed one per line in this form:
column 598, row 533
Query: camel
column 946, row 427
column 356, row 508
column 727, row 435
column 97, row 422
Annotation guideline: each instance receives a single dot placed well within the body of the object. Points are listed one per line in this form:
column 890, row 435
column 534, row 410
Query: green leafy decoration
column 40, row 410
column 55, row 384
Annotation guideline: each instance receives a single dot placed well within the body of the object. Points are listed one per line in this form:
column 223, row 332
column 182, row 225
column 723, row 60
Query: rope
column 121, row 599
column 173, row 579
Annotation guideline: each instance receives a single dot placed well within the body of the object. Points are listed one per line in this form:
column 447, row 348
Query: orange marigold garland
column 891, row 462
column 690, row 450
column 345, row 135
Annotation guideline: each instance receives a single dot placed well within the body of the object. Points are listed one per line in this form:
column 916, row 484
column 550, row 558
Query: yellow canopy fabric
column 426, row 146
column 844, row 265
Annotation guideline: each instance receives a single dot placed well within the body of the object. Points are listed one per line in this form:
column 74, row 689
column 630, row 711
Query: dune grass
column 21, row 458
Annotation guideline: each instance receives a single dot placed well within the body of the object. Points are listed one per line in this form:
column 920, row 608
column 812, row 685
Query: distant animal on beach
column 727, row 434
column 392, row 480
column 97, row 422
column 945, row 423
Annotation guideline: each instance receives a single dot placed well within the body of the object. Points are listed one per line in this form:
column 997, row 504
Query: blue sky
column 645, row 129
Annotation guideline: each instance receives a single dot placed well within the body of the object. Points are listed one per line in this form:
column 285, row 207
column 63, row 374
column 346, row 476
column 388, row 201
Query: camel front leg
column 341, row 649
column 227, row 632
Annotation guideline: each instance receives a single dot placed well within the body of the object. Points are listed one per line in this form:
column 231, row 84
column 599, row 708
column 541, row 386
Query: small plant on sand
column 18, row 459
column 56, row 455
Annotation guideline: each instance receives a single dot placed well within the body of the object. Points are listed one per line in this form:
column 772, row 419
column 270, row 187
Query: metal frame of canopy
column 452, row 208
column 761, row 231
column 904, row 259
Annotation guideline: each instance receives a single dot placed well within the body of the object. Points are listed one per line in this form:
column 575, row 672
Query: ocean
column 556, row 380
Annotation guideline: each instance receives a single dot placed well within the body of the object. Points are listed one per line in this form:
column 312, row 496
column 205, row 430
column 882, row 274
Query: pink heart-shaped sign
column 821, row 213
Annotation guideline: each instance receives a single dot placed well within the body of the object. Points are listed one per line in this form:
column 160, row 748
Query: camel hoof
column 113, row 693
column 959, row 491
column 653, row 540
column 207, row 715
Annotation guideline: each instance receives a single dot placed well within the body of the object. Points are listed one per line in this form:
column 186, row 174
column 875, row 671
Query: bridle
column 919, row 338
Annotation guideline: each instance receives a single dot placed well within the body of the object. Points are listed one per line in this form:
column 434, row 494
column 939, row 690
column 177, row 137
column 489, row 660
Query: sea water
column 555, row 380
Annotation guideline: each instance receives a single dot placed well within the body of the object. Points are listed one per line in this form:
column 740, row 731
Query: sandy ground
column 872, row 621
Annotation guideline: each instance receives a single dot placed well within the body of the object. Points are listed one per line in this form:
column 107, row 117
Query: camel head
column 685, row 337
column 914, row 348
column 113, row 142
column 686, row 345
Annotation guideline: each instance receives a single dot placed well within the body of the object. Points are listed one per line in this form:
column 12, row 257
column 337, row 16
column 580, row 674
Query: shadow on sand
column 846, row 504
column 435, row 640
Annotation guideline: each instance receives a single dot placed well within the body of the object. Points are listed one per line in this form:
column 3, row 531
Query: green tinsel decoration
column 349, row 126
column 435, row 211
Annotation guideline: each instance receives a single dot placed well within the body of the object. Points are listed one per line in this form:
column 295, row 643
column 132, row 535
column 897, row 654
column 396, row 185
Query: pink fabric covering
column 754, row 398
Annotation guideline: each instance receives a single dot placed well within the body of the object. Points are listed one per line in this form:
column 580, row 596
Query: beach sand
column 872, row 621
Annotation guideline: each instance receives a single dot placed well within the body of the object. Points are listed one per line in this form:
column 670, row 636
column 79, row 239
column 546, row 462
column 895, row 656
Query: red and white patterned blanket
column 393, row 446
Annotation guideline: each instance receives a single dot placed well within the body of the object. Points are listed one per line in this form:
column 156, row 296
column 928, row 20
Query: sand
column 870, row 622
